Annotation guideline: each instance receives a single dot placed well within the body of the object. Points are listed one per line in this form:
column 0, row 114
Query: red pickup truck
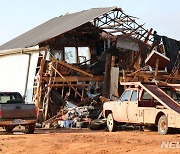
column 145, row 104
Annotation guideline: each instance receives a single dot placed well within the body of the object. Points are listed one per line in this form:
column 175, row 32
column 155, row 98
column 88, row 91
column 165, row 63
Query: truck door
column 132, row 109
column 122, row 105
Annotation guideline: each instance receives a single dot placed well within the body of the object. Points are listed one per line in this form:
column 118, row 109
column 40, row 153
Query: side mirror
column 119, row 101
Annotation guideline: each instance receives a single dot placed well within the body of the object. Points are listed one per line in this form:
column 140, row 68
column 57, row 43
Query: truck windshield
column 6, row 98
column 125, row 96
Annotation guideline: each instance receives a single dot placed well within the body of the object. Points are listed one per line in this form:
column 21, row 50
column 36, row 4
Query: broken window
column 70, row 55
column 83, row 54
column 58, row 54
column 77, row 55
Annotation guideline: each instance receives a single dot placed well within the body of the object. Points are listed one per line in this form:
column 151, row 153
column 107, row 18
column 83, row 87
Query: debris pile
column 88, row 62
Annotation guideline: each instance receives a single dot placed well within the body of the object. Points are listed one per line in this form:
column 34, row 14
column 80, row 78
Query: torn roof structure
column 106, row 18
column 89, row 54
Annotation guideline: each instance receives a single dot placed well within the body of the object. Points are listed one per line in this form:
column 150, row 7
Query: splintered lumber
column 142, row 48
column 71, row 67
column 66, row 81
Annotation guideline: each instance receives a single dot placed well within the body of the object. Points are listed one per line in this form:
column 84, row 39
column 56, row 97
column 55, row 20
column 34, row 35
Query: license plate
column 18, row 121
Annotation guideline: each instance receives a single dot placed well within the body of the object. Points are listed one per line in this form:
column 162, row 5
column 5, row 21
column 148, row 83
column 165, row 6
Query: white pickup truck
column 145, row 104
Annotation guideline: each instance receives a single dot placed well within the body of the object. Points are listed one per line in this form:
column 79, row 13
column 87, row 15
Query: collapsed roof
column 111, row 19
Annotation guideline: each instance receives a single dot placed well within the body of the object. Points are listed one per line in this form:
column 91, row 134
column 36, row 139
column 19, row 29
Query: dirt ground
column 82, row 141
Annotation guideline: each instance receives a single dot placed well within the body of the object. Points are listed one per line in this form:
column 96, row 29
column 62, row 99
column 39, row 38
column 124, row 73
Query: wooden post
column 156, row 68
column 107, row 76
column 48, row 94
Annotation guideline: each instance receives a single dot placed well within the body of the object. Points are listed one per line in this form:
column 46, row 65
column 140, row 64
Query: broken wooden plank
column 75, row 78
column 71, row 67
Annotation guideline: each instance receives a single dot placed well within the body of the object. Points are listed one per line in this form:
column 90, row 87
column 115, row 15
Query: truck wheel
column 162, row 125
column 111, row 123
column 30, row 129
column 97, row 124
column 9, row 128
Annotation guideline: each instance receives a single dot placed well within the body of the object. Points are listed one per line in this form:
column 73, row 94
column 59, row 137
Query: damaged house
column 81, row 56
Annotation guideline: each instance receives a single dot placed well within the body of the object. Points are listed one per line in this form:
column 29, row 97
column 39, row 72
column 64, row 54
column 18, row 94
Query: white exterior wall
column 32, row 70
column 13, row 72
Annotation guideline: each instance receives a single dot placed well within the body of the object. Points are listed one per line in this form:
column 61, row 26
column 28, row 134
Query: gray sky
column 19, row 16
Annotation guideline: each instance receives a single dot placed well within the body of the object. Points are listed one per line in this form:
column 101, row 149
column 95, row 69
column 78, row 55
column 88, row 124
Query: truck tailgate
column 14, row 111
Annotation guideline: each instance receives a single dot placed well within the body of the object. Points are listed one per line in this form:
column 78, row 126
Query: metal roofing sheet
column 54, row 27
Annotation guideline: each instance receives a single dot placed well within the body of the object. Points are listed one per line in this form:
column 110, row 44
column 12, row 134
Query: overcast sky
column 19, row 16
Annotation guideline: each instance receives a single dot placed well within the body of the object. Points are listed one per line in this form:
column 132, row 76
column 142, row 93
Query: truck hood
column 109, row 105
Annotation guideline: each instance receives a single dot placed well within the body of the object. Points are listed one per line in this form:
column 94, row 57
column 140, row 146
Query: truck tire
column 111, row 123
column 97, row 124
column 162, row 125
column 82, row 124
column 30, row 129
column 9, row 128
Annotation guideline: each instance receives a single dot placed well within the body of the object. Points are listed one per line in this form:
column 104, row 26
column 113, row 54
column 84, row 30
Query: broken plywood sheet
column 154, row 55
column 127, row 43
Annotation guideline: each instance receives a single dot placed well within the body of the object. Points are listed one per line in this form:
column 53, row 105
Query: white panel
column 13, row 70
column 114, row 80
column 32, row 70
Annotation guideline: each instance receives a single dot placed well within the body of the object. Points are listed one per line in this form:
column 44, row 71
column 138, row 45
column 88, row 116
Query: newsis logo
column 170, row 144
